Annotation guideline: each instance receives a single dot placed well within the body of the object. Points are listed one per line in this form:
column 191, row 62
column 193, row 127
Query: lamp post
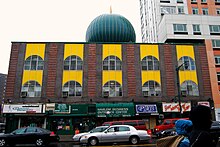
column 178, row 84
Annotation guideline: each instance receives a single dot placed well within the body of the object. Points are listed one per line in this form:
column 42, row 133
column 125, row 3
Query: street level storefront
column 64, row 119
column 147, row 112
column 114, row 112
column 24, row 115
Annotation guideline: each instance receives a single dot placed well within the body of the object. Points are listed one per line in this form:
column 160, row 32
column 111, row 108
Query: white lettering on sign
column 32, row 108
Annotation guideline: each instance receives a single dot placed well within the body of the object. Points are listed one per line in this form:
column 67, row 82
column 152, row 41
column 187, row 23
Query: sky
column 56, row 21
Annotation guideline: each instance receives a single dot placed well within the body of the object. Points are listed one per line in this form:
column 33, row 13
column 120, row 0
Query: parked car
column 138, row 124
column 76, row 137
column 116, row 133
column 29, row 135
column 165, row 133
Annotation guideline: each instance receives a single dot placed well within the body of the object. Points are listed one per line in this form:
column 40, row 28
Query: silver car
column 116, row 133
column 76, row 138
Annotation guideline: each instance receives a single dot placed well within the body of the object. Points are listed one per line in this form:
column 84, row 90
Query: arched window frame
column 33, row 89
column 113, row 88
column 151, row 88
column 150, row 63
column 73, row 62
column 189, row 88
column 112, row 63
column 189, row 63
column 34, row 62
column 73, row 88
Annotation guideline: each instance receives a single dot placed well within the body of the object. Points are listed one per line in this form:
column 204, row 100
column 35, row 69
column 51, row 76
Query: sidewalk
column 64, row 138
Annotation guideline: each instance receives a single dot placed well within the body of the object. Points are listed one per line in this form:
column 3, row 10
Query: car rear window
column 141, row 123
column 130, row 123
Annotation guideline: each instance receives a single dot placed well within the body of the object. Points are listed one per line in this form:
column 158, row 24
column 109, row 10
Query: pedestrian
column 202, row 119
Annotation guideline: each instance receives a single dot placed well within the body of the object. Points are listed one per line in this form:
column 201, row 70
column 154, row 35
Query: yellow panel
column 112, row 76
column 35, row 49
column 112, row 49
column 151, row 75
column 185, row 50
column 149, row 50
column 32, row 75
column 188, row 75
column 72, row 75
column 73, row 49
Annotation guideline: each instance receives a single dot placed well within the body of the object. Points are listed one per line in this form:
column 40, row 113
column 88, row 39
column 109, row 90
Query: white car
column 76, row 138
column 116, row 133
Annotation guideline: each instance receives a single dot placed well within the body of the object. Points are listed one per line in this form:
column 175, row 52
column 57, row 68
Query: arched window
column 150, row 63
column 73, row 88
column 32, row 88
column 189, row 88
column 73, row 63
column 189, row 63
column 151, row 88
column 112, row 63
column 113, row 88
column 34, row 62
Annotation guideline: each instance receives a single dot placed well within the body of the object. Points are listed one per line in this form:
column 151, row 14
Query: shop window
column 112, row 88
column 189, row 63
column 63, row 123
column 32, row 121
column 150, row 63
column 72, row 88
column 73, row 63
column 189, row 88
column 151, row 88
column 31, row 89
column 112, row 63
column 34, row 62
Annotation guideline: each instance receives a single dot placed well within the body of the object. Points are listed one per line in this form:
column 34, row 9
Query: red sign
column 174, row 107
column 204, row 103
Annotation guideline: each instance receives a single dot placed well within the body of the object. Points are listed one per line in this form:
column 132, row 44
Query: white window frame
column 196, row 28
column 203, row 1
column 215, row 43
column 180, row 10
column 218, row 11
column 177, row 26
column 205, row 11
column 217, row 60
column 214, row 28
column 196, row 10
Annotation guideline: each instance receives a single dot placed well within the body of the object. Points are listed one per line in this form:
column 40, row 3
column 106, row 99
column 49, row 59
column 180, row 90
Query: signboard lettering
column 174, row 107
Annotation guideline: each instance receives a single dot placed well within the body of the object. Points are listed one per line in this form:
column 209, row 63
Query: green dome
column 110, row 28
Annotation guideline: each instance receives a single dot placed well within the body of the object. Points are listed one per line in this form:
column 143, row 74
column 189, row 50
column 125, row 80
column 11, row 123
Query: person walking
column 202, row 119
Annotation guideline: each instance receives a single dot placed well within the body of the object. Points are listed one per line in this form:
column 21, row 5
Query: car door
column 122, row 134
column 18, row 136
column 31, row 134
column 109, row 135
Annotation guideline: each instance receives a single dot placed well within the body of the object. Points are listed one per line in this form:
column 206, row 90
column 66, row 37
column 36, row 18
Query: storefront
column 114, row 111
column 24, row 115
column 64, row 119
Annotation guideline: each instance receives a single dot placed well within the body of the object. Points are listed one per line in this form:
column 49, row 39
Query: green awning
column 115, row 110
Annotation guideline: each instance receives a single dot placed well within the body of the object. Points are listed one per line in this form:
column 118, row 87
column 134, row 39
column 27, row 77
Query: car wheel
column 2, row 142
column 39, row 142
column 134, row 140
column 93, row 141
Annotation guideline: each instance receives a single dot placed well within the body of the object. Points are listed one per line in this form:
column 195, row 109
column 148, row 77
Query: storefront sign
column 62, row 108
column 204, row 103
column 146, row 108
column 79, row 109
column 28, row 108
column 50, row 106
column 115, row 110
column 174, row 107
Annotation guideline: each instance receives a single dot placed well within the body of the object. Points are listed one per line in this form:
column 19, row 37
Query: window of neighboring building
column 218, row 11
column 218, row 77
column 32, row 88
column 214, row 29
column 72, row 88
column 217, row 1
column 195, row 11
column 196, row 29
column 179, row 1
column 113, row 88
column 217, row 60
column 180, row 29
column 189, row 88
column 151, row 88
column 73, row 63
column 168, row 10
column 180, row 10
column 150, row 63
column 189, row 63
column 203, row 1
column 205, row 11
column 193, row 1
column 112, row 63
column 216, row 43
column 34, row 62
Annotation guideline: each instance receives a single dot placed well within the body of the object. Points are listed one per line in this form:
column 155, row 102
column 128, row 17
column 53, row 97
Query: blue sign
column 146, row 108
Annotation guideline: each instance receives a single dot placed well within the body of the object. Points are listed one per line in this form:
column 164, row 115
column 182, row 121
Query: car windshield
column 98, row 129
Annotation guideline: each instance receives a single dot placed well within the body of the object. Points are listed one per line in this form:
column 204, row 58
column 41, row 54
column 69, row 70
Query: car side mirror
column 105, row 132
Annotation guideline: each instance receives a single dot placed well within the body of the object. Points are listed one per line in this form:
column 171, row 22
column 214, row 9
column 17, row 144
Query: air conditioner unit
column 105, row 94
column 65, row 94
column 24, row 94
column 145, row 93
column 183, row 93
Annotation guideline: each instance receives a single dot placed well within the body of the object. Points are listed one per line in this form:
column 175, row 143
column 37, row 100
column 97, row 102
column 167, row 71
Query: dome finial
column 110, row 9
